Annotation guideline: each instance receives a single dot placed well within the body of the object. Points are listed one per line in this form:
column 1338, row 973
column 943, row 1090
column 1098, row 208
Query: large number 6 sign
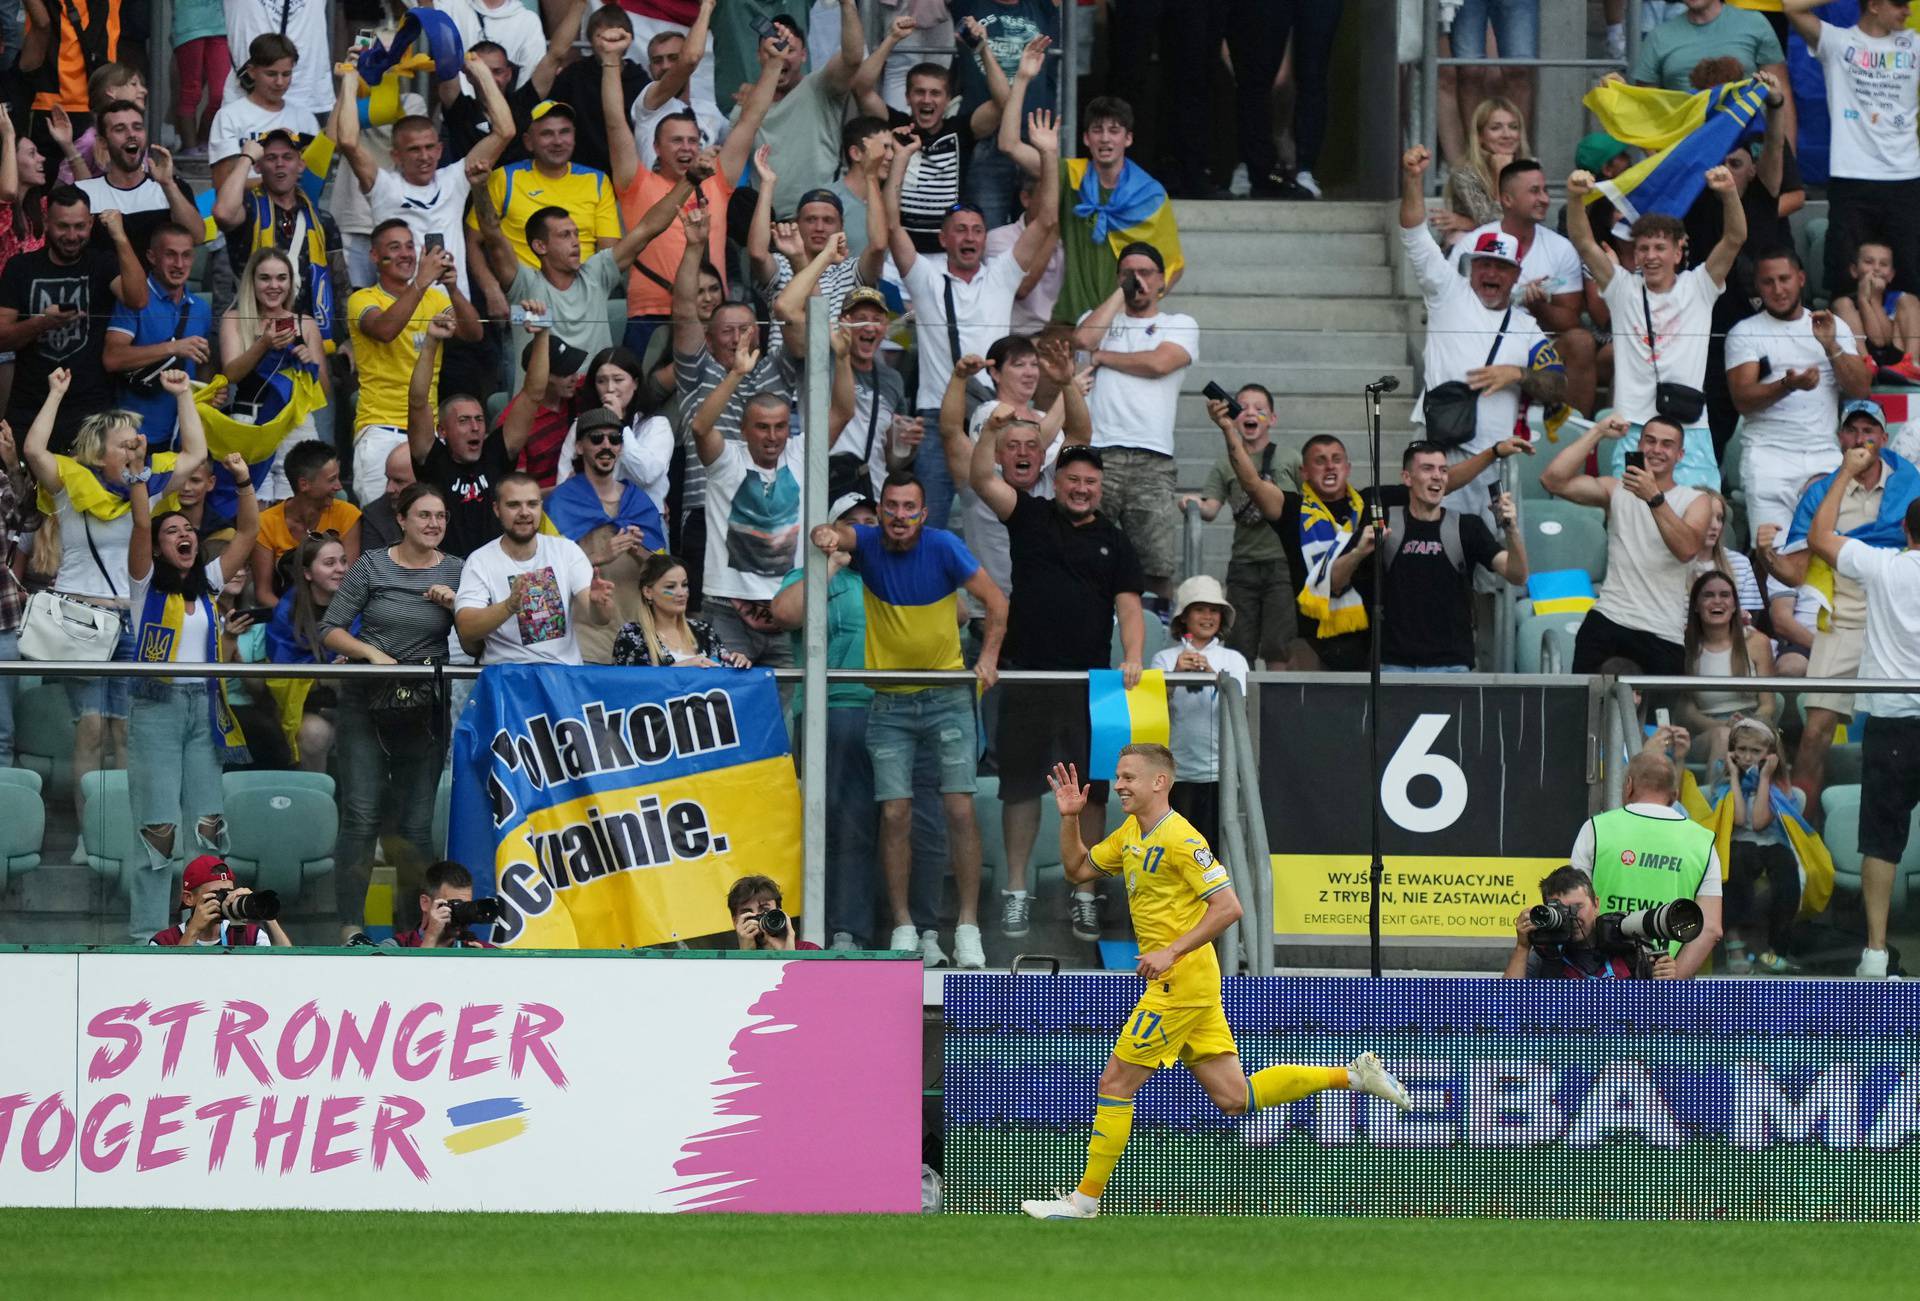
column 1415, row 758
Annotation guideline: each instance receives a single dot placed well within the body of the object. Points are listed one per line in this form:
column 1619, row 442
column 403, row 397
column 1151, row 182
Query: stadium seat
column 1734, row 489
column 1843, row 764
column 617, row 317
column 1812, row 240
column 1530, row 634
column 1561, row 535
column 1156, row 639
column 114, row 847
column 1842, row 836
column 993, row 844
column 281, row 829
column 1556, row 650
column 496, row 403
column 43, row 737
column 23, row 821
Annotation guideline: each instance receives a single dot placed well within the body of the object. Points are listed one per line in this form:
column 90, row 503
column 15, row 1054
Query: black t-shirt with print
column 1429, row 602
column 30, row 284
column 471, row 523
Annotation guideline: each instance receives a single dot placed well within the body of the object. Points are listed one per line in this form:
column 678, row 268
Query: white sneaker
column 1016, row 910
column 967, row 953
column 905, row 938
column 843, row 943
column 1086, row 916
column 1059, row 1207
column 1366, row 1074
column 930, row 951
column 1873, row 965
column 1304, row 179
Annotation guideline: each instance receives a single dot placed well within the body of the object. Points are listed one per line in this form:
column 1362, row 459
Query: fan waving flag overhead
column 1684, row 136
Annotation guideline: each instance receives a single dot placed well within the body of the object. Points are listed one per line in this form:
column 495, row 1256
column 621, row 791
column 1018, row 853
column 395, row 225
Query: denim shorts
column 898, row 722
column 1516, row 26
column 107, row 697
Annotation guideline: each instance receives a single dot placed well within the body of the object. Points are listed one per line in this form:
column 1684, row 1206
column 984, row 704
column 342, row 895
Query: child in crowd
column 1885, row 318
column 1201, row 616
column 1751, row 772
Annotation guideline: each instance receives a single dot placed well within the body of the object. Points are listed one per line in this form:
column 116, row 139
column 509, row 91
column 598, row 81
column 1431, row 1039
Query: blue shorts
column 106, row 697
column 899, row 722
column 1516, row 26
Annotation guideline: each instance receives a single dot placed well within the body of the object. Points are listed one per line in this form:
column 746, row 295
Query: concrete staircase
column 1303, row 298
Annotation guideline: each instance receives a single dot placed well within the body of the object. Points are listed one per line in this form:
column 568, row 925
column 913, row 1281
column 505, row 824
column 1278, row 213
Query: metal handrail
column 1192, row 541
column 468, row 672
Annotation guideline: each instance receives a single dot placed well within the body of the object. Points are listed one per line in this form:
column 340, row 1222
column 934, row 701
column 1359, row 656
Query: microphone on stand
column 1385, row 384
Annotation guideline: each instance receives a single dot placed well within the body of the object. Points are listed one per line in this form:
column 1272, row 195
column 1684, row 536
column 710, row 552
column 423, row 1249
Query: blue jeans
column 853, row 867
column 378, row 771
column 107, row 697
column 9, row 650
column 993, row 186
column 1516, row 25
column 174, row 781
column 902, row 725
column 930, row 464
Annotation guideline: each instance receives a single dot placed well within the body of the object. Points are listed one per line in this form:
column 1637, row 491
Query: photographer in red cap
column 208, row 884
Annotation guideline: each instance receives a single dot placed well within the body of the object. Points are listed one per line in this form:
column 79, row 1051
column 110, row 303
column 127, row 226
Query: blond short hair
column 1153, row 752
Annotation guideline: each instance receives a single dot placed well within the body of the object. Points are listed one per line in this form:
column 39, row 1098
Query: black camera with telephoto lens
column 1553, row 923
column 774, row 924
column 1656, row 927
column 260, row 906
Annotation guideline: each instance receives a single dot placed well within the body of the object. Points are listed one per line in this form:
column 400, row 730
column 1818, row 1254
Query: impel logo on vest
column 1626, row 857
column 1652, row 862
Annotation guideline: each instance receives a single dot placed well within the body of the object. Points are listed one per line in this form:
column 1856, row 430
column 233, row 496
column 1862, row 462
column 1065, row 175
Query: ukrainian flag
column 1138, row 211
column 1684, row 136
column 1121, row 717
column 1561, row 591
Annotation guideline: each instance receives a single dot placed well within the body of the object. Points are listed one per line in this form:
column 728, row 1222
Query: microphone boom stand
column 1376, row 867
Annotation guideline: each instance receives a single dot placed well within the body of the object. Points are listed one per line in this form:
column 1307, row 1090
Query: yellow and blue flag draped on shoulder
column 615, row 806
column 1138, row 211
column 93, row 495
column 1121, row 717
column 1684, row 135
column 1809, row 851
column 1885, row 530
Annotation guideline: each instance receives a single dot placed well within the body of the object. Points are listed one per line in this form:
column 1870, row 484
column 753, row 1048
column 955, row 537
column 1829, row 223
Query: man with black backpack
column 1430, row 556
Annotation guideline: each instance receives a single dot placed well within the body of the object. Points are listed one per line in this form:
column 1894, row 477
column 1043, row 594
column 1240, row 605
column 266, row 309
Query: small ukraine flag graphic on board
column 486, row 1123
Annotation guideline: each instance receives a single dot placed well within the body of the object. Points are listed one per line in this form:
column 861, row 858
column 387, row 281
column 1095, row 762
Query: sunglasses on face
column 599, row 440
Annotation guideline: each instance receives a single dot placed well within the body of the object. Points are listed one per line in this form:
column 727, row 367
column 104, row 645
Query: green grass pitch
column 293, row 1254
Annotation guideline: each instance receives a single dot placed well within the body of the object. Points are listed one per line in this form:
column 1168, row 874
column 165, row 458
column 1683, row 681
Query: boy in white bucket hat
column 1201, row 617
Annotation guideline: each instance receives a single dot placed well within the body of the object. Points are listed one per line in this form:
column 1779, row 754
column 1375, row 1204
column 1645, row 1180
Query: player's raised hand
column 1069, row 796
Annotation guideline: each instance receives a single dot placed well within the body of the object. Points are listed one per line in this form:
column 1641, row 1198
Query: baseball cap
column 1863, row 407
column 207, row 867
column 293, row 138
column 845, row 502
column 865, row 296
column 563, row 358
column 821, row 196
column 547, row 106
column 1596, row 150
column 1079, row 452
column 1496, row 246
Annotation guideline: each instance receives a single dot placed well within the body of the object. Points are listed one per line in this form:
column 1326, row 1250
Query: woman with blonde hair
column 663, row 634
column 266, row 343
column 1497, row 136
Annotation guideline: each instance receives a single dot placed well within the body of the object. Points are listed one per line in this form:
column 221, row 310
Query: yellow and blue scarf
column 310, row 255
column 1322, row 539
column 160, row 632
column 93, row 495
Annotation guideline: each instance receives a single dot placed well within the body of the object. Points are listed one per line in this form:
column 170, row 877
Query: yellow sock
column 1273, row 1085
column 1112, row 1123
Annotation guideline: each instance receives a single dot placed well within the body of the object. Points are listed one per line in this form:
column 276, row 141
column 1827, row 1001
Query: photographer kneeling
column 1566, row 937
column 759, row 921
column 447, row 908
column 222, row 913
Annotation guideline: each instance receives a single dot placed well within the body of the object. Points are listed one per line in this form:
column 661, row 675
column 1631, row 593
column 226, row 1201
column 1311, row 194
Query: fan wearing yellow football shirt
column 1181, row 900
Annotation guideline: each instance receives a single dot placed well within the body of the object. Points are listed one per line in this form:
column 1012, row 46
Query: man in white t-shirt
column 303, row 22
column 429, row 197
column 1671, row 348
column 1140, row 355
column 1655, row 527
column 1890, row 753
column 509, row 24
column 522, row 594
column 1872, row 71
column 963, row 302
column 271, row 64
column 753, row 504
column 1551, row 287
column 674, row 59
column 1476, row 334
column 1787, row 368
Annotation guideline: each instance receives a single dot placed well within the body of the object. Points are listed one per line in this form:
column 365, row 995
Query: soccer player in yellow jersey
column 1181, row 900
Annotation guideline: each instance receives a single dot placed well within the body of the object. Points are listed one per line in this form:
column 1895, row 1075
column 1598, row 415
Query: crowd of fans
column 522, row 379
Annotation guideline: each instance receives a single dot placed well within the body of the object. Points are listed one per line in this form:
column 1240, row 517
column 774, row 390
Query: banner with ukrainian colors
column 617, row 805
column 1121, row 716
